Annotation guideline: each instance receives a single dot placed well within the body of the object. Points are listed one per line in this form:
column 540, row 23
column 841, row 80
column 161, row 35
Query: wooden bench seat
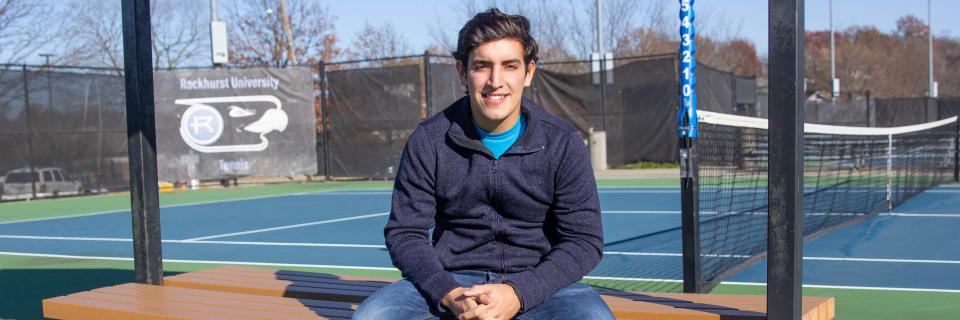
column 232, row 292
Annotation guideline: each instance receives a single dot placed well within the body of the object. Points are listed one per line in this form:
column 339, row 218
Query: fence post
column 426, row 83
column 603, row 93
column 26, row 111
column 324, row 121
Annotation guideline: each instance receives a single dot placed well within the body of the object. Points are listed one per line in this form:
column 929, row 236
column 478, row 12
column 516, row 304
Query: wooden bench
column 253, row 293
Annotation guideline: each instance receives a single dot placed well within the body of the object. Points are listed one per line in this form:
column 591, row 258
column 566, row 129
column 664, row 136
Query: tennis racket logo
column 202, row 125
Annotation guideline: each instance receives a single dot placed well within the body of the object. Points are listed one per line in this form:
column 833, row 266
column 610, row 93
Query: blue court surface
column 914, row 247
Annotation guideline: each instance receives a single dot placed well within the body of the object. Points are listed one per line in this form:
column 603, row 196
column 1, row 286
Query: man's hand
column 497, row 301
column 457, row 302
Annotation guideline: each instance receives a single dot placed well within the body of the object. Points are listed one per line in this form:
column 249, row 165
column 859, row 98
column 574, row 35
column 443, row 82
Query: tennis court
column 913, row 248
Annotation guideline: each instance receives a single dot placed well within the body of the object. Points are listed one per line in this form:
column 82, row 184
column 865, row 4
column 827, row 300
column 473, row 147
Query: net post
column 324, row 110
column 142, row 141
column 890, row 172
column 690, row 216
column 689, row 167
column 956, row 151
column 785, row 186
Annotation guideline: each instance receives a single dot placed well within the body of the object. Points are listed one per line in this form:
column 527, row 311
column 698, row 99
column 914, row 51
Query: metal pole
column 213, row 10
column 689, row 168
column 956, row 152
column 600, row 29
column 930, row 90
column 890, row 172
column 142, row 142
column 833, row 69
column 324, row 110
column 690, row 217
column 26, row 111
column 603, row 65
column 785, row 187
column 426, row 83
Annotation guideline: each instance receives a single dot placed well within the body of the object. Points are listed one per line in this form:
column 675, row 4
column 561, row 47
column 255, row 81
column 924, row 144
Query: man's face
column 495, row 76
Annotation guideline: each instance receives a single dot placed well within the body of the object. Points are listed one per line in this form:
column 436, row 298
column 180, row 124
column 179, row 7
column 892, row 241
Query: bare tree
column 257, row 36
column 25, row 27
column 95, row 36
column 181, row 32
column 378, row 42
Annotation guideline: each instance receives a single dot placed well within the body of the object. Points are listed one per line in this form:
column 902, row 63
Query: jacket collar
column 463, row 133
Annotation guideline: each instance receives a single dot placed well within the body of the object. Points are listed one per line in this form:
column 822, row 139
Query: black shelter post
column 785, row 188
column 142, row 141
column 690, row 216
column 26, row 111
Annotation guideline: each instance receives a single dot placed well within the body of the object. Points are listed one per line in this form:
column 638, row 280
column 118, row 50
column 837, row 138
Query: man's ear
column 531, row 68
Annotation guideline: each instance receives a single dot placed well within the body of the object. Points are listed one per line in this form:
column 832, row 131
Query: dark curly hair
column 492, row 25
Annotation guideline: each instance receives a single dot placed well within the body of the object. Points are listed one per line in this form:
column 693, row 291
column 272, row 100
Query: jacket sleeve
column 412, row 214
column 576, row 210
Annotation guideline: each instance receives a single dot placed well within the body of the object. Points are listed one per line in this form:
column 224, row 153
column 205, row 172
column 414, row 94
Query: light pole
column 834, row 82
column 931, row 85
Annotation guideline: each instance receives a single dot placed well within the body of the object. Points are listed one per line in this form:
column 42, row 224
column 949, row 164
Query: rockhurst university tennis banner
column 225, row 123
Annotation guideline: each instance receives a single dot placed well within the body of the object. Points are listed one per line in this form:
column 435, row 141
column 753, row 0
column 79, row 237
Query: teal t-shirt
column 498, row 143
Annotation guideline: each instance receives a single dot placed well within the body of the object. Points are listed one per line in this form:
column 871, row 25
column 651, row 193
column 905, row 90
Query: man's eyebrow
column 486, row 62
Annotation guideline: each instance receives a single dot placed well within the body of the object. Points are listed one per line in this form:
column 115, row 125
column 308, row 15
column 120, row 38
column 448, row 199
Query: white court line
column 270, row 264
column 290, row 226
column 849, row 287
column 394, row 269
column 666, row 254
column 371, row 246
column 893, row 214
column 162, row 207
column 252, row 243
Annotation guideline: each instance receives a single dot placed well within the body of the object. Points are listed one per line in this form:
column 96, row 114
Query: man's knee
column 399, row 300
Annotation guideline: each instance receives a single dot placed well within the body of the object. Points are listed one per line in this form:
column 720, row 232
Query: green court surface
column 27, row 280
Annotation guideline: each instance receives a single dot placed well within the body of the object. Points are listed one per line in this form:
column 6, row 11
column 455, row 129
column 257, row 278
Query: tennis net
column 850, row 174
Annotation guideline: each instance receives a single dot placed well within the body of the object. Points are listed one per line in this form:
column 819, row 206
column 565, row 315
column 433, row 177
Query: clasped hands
column 482, row 302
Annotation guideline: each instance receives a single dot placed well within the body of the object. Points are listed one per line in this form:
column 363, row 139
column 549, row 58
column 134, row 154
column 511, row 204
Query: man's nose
column 496, row 78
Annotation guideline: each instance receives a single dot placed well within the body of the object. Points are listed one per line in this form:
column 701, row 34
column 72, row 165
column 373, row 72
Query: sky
column 743, row 18
column 747, row 18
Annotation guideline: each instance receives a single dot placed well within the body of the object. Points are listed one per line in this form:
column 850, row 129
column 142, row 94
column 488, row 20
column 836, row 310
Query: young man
column 507, row 189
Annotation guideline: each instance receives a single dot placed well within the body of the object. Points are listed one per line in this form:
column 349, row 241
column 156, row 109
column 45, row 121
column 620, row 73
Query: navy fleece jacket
column 533, row 214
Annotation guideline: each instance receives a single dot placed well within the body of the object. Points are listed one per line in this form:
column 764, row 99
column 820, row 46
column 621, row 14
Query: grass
column 648, row 165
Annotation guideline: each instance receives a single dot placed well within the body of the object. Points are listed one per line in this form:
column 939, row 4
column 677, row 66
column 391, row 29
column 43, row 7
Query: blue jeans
column 402, row 301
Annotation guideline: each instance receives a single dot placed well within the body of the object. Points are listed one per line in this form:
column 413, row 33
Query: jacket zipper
column 498, row 235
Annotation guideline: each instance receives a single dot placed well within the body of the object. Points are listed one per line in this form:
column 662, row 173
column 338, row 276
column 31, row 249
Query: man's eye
column 511, row 67
column 479, row 67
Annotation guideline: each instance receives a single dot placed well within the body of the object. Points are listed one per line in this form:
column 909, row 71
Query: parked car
column 50, row 181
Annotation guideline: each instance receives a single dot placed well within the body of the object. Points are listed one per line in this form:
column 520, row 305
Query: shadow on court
column 22, row 290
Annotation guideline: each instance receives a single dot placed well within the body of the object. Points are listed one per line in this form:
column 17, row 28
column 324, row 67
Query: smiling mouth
column 493, row 98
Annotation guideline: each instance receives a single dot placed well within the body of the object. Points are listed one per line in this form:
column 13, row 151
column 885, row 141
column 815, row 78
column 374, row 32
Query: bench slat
column 279, row 290
column 328, row 284
column 213, row 298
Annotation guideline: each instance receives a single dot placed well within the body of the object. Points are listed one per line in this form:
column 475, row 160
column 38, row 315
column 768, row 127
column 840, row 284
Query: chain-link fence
column 68, row 124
